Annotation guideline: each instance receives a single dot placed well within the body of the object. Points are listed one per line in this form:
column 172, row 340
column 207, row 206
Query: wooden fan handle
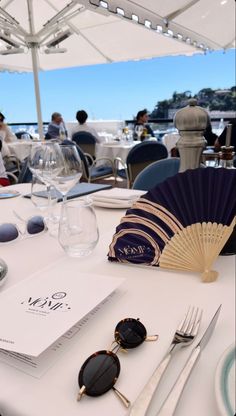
column 209, row 276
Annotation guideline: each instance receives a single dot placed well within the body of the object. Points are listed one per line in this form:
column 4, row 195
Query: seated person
column 81, row 117
column 222, row 137
column 209, row 135
column 6, row 134
column 141, row 120
column 4, row 181
column 57, row 128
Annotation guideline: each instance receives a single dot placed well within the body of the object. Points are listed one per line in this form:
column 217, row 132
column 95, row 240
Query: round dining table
column 21, row 148
column 114, row 149
column 158, row 297
column 170, row 140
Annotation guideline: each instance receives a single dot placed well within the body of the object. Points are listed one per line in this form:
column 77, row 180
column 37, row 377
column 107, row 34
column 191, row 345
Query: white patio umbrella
column 48, row 34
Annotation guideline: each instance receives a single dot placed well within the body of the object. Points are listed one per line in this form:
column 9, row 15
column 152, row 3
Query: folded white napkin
column 118, row 194
column 116, row 197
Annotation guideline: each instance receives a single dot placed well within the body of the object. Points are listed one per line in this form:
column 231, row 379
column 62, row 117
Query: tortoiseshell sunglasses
column 101, row 370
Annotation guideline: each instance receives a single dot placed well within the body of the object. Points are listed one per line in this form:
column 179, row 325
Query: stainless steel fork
column 184, row 336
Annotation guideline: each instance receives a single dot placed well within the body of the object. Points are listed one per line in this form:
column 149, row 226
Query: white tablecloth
column 170, row 140
column 21, row 149
column 159, row 298
column 113, row 150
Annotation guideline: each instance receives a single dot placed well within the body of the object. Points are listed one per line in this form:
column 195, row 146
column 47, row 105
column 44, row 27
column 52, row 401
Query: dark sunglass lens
column 130, row 333
column 35, row 225
column 8, row 232
column 99, row 373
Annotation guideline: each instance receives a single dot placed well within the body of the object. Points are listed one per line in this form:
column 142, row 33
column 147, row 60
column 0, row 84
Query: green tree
column 207, row 97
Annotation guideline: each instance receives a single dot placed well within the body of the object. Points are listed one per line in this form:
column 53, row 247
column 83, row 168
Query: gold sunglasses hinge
column 81, row 393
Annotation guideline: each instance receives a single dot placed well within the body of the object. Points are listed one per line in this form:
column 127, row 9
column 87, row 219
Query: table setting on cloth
column 21, row 148
column 113, row 149
column 170, row 140
column 116, row 198
column 48, row 383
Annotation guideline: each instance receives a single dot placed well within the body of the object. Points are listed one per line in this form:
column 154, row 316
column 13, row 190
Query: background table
column 113, row 150
column 158, row 297
column 170, row 140
column 21, row 149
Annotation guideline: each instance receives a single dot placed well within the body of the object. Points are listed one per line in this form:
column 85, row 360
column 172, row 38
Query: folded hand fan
column 181, row 224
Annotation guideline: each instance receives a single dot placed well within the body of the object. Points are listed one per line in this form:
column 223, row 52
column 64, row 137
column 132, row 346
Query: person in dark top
column 222, row 137
column 57, row 128
column 141, row 120
column 209, row 135
column 82, row 125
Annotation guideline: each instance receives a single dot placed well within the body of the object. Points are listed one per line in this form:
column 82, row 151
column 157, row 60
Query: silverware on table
column 184, row 336
column 170, row 404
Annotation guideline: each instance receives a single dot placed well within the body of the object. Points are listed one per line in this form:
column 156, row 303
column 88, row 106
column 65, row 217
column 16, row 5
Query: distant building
column 212, row 114
column 219, row 103
column 223, row 92
column 222, row 114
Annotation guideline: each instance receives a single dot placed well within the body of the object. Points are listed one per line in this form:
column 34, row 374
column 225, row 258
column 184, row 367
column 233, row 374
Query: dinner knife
column 169, row 406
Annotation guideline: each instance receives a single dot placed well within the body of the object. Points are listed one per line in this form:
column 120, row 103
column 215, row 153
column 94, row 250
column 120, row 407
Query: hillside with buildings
column 219, row 103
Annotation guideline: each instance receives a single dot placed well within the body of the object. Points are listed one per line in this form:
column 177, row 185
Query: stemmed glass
column 40, row 197
column 26, row 137
column 71, row 172
column 139, row 131
column 46, row 162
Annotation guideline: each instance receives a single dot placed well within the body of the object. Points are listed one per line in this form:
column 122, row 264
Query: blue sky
column 113, row 91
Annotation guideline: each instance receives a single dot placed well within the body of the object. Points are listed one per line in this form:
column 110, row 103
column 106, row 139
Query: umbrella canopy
column 49, row 34
column 94, row 31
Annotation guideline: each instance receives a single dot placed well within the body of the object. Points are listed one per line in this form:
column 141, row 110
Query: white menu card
column 37, row 366
column 40, row 309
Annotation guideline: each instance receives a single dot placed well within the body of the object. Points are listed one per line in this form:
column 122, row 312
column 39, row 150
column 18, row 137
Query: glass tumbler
column 40, row 196
column 78, row 230
column 26, row 137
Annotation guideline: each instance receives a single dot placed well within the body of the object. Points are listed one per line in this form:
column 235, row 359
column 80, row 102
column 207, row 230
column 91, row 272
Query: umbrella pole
column 37, row 92
column 34, row 54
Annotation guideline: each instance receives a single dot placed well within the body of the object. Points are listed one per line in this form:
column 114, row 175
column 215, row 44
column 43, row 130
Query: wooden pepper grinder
column 227, row 153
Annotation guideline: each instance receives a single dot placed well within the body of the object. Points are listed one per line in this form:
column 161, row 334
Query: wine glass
column 40, row 197
column 45, row 162
column 71, row 172
column 25, row 137
column 139, row 131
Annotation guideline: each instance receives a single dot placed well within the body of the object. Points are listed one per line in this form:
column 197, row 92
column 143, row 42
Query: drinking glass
column 71, row 172
column 78, row 231
column 139, row 130
column 40, row 195
column 125, row 133
column 46, row 161
column 26, row 137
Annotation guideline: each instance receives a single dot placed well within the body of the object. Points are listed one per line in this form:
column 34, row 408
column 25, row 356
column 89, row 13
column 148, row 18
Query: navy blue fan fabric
column 199, row 195
column 194, row 196
column 137, row 212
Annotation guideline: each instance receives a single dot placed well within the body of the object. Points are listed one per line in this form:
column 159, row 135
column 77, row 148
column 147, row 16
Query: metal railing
column 160, row 125
column 27, row 126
